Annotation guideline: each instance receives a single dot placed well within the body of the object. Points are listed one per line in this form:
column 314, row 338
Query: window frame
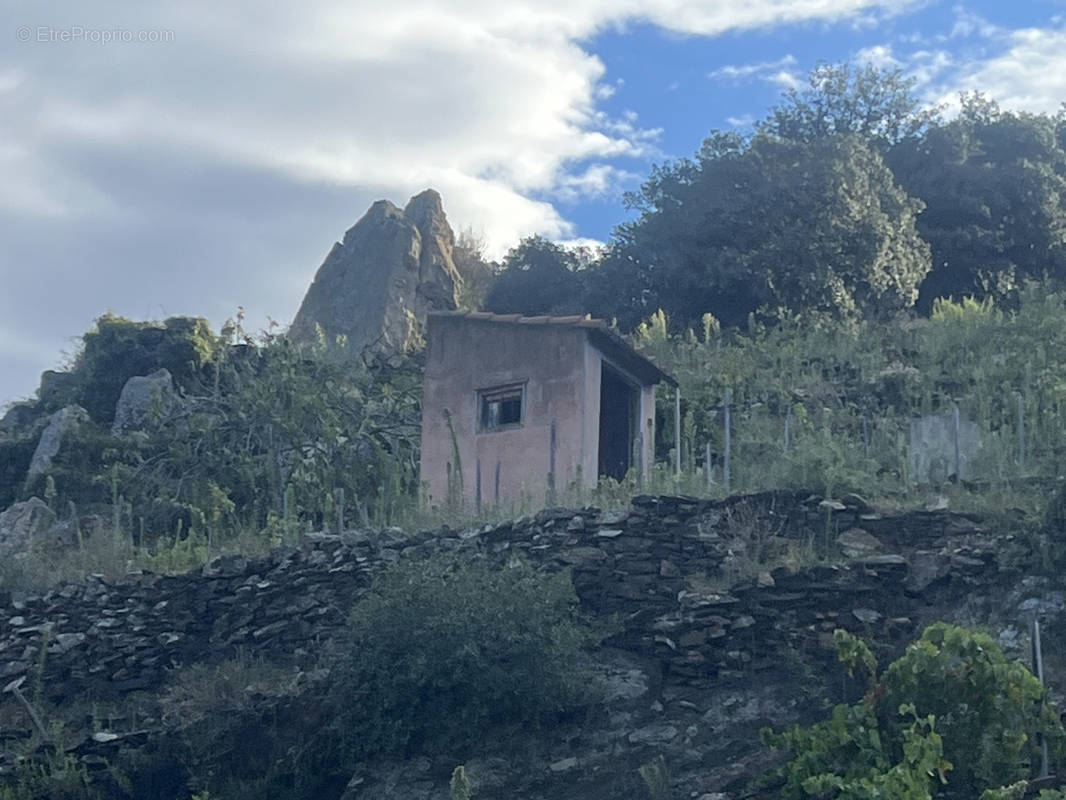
column 501, row 391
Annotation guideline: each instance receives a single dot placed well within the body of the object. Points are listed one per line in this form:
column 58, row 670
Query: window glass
column 500, row 407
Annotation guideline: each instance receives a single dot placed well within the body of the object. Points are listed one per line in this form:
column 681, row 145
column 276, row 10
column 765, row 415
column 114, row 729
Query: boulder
column 23, row 525
column 60, row 424
column 376, row 288
column 857, row 543
column 144, row 399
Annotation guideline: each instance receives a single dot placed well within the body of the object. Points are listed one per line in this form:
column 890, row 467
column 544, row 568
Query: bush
column 988, row 708
column 439, row 651
column 952, row 713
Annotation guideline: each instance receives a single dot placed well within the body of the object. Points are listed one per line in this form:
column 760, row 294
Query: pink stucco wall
column 560, row 370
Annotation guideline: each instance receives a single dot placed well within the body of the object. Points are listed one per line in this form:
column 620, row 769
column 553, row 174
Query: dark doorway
column 618, row 411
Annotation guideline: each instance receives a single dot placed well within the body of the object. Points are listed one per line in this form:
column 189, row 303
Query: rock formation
column 60, row 425
column 23, row 525
column 143, row 398
column 376, row 287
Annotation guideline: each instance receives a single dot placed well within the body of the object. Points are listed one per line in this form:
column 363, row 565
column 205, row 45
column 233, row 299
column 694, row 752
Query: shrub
column 953, row 712
column 988, row 708
column 439, row 651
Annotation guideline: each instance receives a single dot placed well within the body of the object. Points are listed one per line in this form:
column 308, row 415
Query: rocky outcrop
column 59, row 426
column 144, row 399
column 707, row 649
column 377, row 286
column 23, row 525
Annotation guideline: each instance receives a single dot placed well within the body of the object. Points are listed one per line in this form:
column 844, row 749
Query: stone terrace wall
column 672, row 570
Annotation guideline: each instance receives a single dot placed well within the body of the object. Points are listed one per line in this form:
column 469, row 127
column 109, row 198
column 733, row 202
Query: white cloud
column 924, row 66
column 785, row 79
column 969, row 24
column 594, row 246
column 216, row 167
column 1028, row 74
column 10, row 79
column 928, row 66
column 879, row 57
column 777, row 73
column 744, row 121
column 597, row 180
column 742, row 73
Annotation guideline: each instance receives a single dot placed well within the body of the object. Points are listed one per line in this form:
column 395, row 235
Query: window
column 500, row 407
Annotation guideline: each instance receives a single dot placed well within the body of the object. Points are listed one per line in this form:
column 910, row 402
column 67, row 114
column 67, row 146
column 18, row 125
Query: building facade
column 521, row 407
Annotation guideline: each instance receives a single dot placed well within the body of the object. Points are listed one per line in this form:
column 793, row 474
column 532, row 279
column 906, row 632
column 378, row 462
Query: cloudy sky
column 189, row 158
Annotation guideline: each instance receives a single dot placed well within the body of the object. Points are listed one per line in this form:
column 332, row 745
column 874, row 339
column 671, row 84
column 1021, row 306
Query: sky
column 161, row 159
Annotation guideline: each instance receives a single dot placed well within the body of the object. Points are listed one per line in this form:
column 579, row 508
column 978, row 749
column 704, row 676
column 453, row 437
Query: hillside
column 723, row 614
column 221, row 577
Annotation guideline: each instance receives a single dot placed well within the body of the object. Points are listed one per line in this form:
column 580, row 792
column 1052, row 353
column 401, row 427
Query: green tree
column 767, row 224
column 879, row 106
column 994, row 187
column 538, row 277
column 988, row 708
column 476, row 271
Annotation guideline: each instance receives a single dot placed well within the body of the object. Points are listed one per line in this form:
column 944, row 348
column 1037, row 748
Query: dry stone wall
column 681, row 576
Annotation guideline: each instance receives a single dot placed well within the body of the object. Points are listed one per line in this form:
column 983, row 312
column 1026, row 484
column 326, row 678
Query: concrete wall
column 560, row 370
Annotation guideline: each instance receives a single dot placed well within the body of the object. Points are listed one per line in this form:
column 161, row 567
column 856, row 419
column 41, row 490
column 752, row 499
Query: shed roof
column 602, row 335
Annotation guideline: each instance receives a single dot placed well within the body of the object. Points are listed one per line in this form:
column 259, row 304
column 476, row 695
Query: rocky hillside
column 725, row 615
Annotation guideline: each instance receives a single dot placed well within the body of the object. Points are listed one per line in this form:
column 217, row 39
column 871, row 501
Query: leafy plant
column 439, row 651
column 953, row 713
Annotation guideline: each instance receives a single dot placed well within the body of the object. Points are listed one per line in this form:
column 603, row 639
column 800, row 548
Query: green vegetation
column 293, row 439
column 441, row 651
column 779, row 275
column 781, row 266
column 656, row 778
column 952, row 715
column 538, row 277
column 439, row 657
column 850, row 198
column 57, row 777
column 264, row 440
column 766, row 224
column 827, row 405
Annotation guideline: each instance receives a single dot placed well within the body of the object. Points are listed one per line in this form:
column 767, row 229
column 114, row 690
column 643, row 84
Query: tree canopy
column 994, row 186
column 538, row 277
column 767, row 223
column 852, row 197
column 879, row 106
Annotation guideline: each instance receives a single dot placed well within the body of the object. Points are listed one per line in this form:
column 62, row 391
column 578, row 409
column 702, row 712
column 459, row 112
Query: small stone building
column 519, row 407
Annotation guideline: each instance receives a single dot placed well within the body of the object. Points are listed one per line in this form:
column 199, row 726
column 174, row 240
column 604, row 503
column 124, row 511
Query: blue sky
column 687, row 85
column 164, row 159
